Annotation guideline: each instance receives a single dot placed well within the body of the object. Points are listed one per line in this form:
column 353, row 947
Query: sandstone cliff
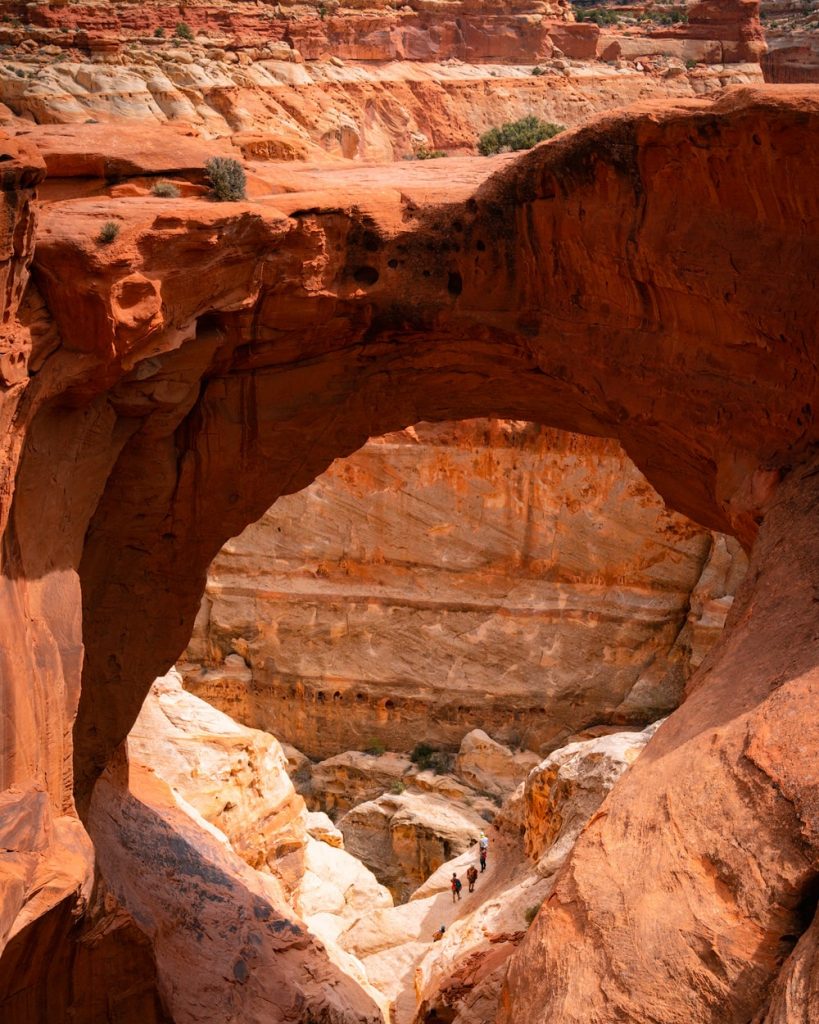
column 485, row 574
column 648, row 276
column 328, row 81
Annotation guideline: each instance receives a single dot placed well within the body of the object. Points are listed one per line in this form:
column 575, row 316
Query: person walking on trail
column 472, row 877
column 483, row 844
column 456, row 886
column 439, row 934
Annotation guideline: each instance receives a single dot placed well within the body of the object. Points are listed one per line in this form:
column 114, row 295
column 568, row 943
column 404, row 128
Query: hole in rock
column 490, row 592
column 366, row 275
column 467, row 569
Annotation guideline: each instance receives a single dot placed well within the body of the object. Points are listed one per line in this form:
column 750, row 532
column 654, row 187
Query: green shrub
column 227, row 178
column 108, row 232
column 165, row 190
column 159, row 33
column 537, row 72
column 375, row 747
column 429, row 759
column 517, row 135
column 599, row 15
column 422, row 755
column 531, row 912
column 183, row 31
column 397, row 787
column 422, row 153
column 690, row 64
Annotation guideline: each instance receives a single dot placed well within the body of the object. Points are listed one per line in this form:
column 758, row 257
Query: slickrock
column 233, row 785
column 340, row 782
column 320, row 826
column 640, row 886
column 223, row 934
column 440, row 561
column 319, row 112
column 236, row 778
column 460, row 977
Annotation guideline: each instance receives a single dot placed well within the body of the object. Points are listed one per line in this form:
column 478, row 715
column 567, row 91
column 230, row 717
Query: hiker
column 472, row 877
column 439, row 934
column 483, row 844
column 456, row 886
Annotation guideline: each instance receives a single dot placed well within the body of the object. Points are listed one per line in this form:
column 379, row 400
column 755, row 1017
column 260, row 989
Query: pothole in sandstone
column 462, row 627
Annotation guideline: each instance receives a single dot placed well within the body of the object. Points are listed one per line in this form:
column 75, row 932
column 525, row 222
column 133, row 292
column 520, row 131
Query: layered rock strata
column 792, row 36
column 274, row 110
column 298, row 81
column 210, row 359
column 486, row 574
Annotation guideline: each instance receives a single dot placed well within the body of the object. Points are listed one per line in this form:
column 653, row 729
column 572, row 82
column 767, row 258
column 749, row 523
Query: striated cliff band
column 485, row 574
column 329, row 81
column 648, row 276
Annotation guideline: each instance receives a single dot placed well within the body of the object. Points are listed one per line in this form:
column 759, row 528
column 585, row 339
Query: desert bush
column 165, row 190
column 422, row 153
column 108, row 232
column 598, row 15
column 183, row 31
column 517, row 135
column 227, row 178
column 430, row 759
column 538, row 71
column 375, row 747
column 159, row 33
column 397, row 788
column 422, row 755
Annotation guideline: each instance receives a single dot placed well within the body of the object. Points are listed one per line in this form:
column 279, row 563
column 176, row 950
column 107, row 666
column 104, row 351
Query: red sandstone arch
column 650, row 277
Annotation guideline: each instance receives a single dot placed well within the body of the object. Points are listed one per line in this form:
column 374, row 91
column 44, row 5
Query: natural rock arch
column 649, row 277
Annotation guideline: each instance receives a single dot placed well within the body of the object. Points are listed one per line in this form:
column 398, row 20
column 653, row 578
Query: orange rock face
column 648, row 277
column 734, row 885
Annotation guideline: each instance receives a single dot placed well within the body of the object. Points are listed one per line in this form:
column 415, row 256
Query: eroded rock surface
column 487, row 765
column 217, row 782
column 211, row 359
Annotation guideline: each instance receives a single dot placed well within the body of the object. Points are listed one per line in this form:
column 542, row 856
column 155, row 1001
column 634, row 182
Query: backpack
column 458, row 885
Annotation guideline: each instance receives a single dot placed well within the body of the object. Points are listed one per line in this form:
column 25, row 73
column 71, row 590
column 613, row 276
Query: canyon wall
column 453, row 576
column 329, row 82
column 792, row 36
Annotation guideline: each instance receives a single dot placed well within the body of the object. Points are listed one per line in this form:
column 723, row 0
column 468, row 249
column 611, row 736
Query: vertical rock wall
column 483, row 574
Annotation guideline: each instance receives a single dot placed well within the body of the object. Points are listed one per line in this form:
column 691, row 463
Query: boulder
column 404, row 838
column 235, row 777
column 321, row 827
column 339, row 783
column 489, row 766
column 562, row 793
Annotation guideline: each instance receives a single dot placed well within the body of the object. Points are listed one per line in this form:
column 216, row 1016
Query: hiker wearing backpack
column 456, row 887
